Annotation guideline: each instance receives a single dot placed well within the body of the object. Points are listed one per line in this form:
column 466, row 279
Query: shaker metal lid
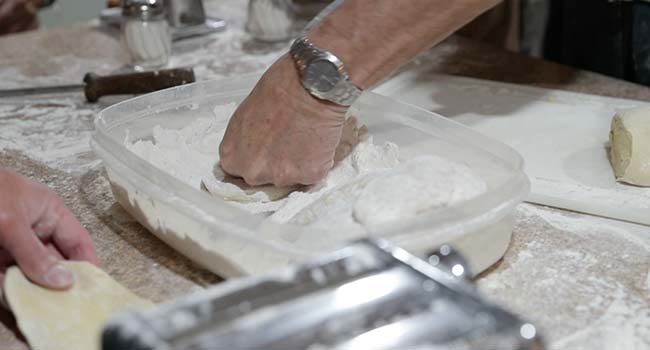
column 143, row 9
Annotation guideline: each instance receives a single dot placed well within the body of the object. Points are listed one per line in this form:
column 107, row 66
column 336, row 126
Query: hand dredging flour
column 369, row 186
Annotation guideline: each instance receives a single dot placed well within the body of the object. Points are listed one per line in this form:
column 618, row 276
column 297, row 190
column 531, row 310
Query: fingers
column 254, row 172
column 57, row 226
column 229, row 167
column 281, row 135
column 227, row 162
column 6, row 260
column 37, row 231
column 33, row 258
column 51, row 248
column 281, row 173
column 314, row 172
column 72, row 239
column 228, row 146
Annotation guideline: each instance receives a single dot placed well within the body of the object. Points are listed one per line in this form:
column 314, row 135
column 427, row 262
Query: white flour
column 55, row 131
column 369, row 186
column 562, row 261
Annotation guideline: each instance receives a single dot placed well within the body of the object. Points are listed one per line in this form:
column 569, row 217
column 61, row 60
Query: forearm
column 375, row 37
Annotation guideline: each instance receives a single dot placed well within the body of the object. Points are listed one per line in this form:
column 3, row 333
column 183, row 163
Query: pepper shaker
column 146, row 33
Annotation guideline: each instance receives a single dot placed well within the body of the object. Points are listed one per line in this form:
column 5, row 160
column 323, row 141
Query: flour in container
column 369, row 186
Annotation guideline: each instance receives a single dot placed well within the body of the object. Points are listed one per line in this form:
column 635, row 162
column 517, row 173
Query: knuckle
column 37, row 264
column 227, row 143
column 225, row 150
column 253, row 179
column 315, row 177
column 54, row 212
column 317, row 171
column 314, row 173
column 55, row 209
column 229, row 166
column 284, row 174
column 256, row 174
column 56, row 204
column 6, row 216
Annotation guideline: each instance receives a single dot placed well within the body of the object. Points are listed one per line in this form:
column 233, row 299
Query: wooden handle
column 135, row 83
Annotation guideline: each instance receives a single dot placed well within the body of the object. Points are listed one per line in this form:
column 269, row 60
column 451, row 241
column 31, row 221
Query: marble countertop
column 583, row 280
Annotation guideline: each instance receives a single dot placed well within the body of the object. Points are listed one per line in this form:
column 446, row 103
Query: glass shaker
column 146, row 33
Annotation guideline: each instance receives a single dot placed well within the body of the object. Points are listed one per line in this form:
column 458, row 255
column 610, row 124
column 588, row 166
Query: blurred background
column 517, row 25
column 607, row 36
column 65, row 12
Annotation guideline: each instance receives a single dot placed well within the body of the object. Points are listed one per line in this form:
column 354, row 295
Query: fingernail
column 59, row 277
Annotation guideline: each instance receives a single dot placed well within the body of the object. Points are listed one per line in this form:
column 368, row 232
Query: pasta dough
column 630, row 146
column 70, row 319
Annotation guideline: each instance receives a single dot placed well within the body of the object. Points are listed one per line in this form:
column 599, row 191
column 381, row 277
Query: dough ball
column 630, row 146
column 69, row 319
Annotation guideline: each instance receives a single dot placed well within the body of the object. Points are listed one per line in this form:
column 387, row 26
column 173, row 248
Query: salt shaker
column 146, row 33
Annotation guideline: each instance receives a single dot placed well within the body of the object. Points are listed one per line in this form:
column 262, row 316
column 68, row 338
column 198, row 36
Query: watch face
column 321, row 75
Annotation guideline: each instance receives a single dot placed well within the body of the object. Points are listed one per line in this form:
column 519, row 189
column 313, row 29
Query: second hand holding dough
column 70, row 319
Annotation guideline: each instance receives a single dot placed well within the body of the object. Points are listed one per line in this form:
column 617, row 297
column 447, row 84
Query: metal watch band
column 344, row 92
column 302, row 51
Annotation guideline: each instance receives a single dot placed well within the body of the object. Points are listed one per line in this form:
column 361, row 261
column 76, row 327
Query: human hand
column 17, row 15
column 37, row 231
column 280, row 134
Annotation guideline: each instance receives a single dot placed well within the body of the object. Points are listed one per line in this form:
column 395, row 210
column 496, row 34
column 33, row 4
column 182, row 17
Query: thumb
column 37, row 263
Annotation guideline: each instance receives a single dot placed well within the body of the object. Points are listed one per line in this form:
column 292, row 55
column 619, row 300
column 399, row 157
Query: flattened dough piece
column 630, row 146
column 237, row 190
column 70, row 319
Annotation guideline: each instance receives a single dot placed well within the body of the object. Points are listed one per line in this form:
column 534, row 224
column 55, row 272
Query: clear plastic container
column 233, row 242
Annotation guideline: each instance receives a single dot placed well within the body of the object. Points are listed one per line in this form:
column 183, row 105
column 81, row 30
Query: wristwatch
column 322, row 73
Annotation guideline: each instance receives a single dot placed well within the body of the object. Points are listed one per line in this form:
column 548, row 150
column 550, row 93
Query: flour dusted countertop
column 584, row 280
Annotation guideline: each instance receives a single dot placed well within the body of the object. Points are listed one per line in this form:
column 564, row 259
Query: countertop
column 583, row 280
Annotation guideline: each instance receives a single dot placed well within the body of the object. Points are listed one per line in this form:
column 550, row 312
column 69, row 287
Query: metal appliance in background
column 184, row 13
column 369, row 295
column 280, row 20
column 187, row 19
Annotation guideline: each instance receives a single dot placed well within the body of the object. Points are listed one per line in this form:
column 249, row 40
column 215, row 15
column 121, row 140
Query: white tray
column 562, row 136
